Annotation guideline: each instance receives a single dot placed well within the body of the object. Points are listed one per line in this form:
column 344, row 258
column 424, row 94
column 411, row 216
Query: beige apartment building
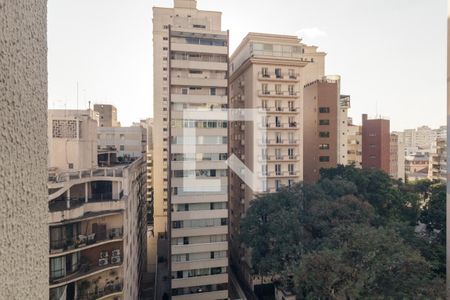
column 268, row 73
column 129, row 142
column 437, row 168
column 325, row 127
column 191, row 177
column 354, row 144
column 107, row 115
column 96, row 215
column 397, row 157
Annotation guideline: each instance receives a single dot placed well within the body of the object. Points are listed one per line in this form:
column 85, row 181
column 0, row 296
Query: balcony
column 83, row 242
column 102, row 292
column 203, row 64
column 273, row 76
column 198, row 81
column 84, row 270
column 63, row 209
column 278, row 94
column 77, row 175
column 291, row 125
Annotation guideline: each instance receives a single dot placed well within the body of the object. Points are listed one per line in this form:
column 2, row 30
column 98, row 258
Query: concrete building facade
column 268, row 73
column 129, row 142
column 354, row 144
column 191, row 177
column 376, row 144
column 325, row 127
column 23, row 145
column 96, row 216
column 397, row 157
column 437, row 168
column 107, row 115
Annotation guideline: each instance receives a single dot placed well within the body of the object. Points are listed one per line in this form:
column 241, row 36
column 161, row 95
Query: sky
column 391, row 55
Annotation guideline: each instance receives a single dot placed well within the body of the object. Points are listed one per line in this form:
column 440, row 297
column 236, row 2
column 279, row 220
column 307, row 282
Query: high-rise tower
column 190, row 174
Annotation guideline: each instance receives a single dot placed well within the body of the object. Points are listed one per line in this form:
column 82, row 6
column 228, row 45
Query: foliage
column 351, row 236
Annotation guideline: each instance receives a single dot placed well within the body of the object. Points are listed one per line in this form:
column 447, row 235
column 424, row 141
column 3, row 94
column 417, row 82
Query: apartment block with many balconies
column 268, row 73
column 191, row 177
column 97, row 227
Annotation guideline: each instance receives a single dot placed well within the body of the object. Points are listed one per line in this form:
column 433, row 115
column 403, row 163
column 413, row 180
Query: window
column 291, row 153
column 277, row 185
column 198, row 26
column 264, row 170
column 372, row 145
column 264, row 104
column 291, row 106
column 278, row 89
column 324, row 146
column 292, row 122
column 277, row 169
column 291, row 169
column 278, row 138
column 324, row 158
column 324, row 134
column 324, row 110
column 278, row 153
column 324, row 122
column 278, row 73
column 265, row 89
column 292, row 74
column 278, row 121
column 57, row 267
column 291, row 90
column 278, row 105
column 122, row 147
column 265, row 72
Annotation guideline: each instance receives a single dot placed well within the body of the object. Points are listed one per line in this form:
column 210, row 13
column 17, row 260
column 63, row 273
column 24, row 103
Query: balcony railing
column 63, row 203
column 272, row 93
column 86, row 268
column 278, row 76
column 102, row 292
column 82, row 241
column 75, row 175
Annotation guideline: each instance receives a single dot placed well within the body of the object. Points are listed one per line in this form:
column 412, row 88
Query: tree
column 360, row 262
column 350, row 236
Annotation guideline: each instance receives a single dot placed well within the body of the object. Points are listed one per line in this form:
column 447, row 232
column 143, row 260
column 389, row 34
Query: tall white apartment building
column 190, row 174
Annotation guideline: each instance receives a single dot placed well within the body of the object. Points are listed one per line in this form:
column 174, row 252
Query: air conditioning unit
column 115, row 232
column 82, row 238
column 115, row 252
column 115, row 260
column 104, row 254
column 103, row 262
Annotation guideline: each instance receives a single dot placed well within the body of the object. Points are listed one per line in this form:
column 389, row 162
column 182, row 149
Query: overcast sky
column 391, row 54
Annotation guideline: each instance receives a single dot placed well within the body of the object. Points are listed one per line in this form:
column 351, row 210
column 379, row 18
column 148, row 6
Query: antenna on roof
column 376, row 109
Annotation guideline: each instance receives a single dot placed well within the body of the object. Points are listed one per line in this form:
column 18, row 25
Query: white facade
column 190, row 73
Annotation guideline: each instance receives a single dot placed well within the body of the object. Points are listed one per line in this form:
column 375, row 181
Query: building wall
column 375, row 144
column 320, row 147
column 135, row 227
column 257, row 72
column 174, row 82
column 72, row 138
column 354, row 144
column 107, row 115
column 130, row 142
column 23, row 148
